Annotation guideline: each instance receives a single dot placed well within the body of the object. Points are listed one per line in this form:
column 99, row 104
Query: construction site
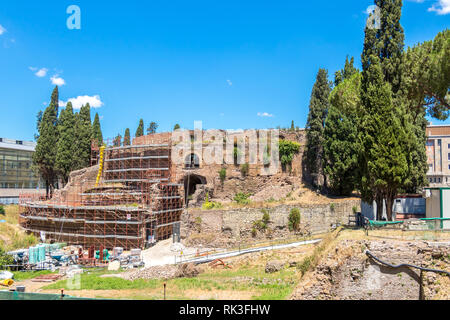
column 126, row 199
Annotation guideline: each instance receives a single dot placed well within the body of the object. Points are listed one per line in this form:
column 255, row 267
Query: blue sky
column 232, row 64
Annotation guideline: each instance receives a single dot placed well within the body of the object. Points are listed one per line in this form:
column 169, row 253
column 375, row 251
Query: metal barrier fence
column 418, row 229
column 181, row 258
column 15, row 295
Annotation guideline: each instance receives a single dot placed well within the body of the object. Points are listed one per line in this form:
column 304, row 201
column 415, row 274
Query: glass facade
column 15, row 169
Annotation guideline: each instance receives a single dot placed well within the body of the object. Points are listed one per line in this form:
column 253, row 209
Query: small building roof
column 17, row 145
column 438, row 130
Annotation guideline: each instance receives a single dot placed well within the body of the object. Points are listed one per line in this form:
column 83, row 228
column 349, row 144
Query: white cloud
column 41, row 72
column 264, row 114
column 441, row 8
column 2, row 30
column 78, row 102
column 229, row 82
column 57, row 81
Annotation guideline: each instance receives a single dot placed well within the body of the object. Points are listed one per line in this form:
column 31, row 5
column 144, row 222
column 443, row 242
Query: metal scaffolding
column 135, row 202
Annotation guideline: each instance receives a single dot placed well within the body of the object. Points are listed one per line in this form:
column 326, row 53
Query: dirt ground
column 343, row 272
column 347, row 273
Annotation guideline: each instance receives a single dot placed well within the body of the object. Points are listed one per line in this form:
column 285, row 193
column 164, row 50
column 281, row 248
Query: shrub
column 198, row 223
column 332, row 207
column 259, row 225
column 242, row 198
column 266, row 217
column 5, row 259
column 211, row 205
column 354, row 209
column 222, row 174
column 271, row 199
column 294, row 219
column 244, row 169
column 254, row 232
column 2, row 210
column 287, row 149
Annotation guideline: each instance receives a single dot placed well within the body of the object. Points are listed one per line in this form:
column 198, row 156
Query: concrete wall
column 231, row 225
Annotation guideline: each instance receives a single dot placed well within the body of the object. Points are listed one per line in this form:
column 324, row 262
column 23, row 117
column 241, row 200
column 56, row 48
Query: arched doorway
column 190, row 184
column 192, row 161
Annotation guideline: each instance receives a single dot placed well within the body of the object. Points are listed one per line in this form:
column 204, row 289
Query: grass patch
column 93, row 281
column 311, row 261
column 24, row 275
column 11, row 236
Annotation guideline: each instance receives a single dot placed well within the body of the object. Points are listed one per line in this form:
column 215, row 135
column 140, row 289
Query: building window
column 439, row 142
column 439, row 180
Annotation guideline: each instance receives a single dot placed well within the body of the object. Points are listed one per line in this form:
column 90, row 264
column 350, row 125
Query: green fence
column 15, row 295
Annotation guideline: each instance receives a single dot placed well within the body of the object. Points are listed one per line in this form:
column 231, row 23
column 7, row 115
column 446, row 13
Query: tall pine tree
column 44, row 157
column 140, row 129
column 84, row 134
column 97, row 130
column 383, row 139
column 126, row 137
column 66, row 146
column 315, row 128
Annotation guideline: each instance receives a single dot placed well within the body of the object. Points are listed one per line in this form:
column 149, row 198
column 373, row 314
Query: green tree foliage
column 140, row 129
column 390, row 42
column 346, row 96
column 346, row 73
column 176, row 127
column 315, row 127
column 152, row 127
column 383, row 139
column 38, row 124
column 426, row 77
column 54, row 100
column 292, row 125
column 340, row 151
column 82, row 154
column 44, row 157
column 126, row 137
column 97, row 130
column 66, row 146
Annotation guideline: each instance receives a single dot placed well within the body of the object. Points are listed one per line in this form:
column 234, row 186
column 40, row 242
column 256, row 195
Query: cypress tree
column 84, row 134
column 97, row 130
column 66, row 146
column 44, row 157
column 315, row 127
column 346, row 73
column 140, row 129
column 390, row 38
column 126, row 137
column 176, row 127
column 55, row 100
column 292, row 125
column 340, row 151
